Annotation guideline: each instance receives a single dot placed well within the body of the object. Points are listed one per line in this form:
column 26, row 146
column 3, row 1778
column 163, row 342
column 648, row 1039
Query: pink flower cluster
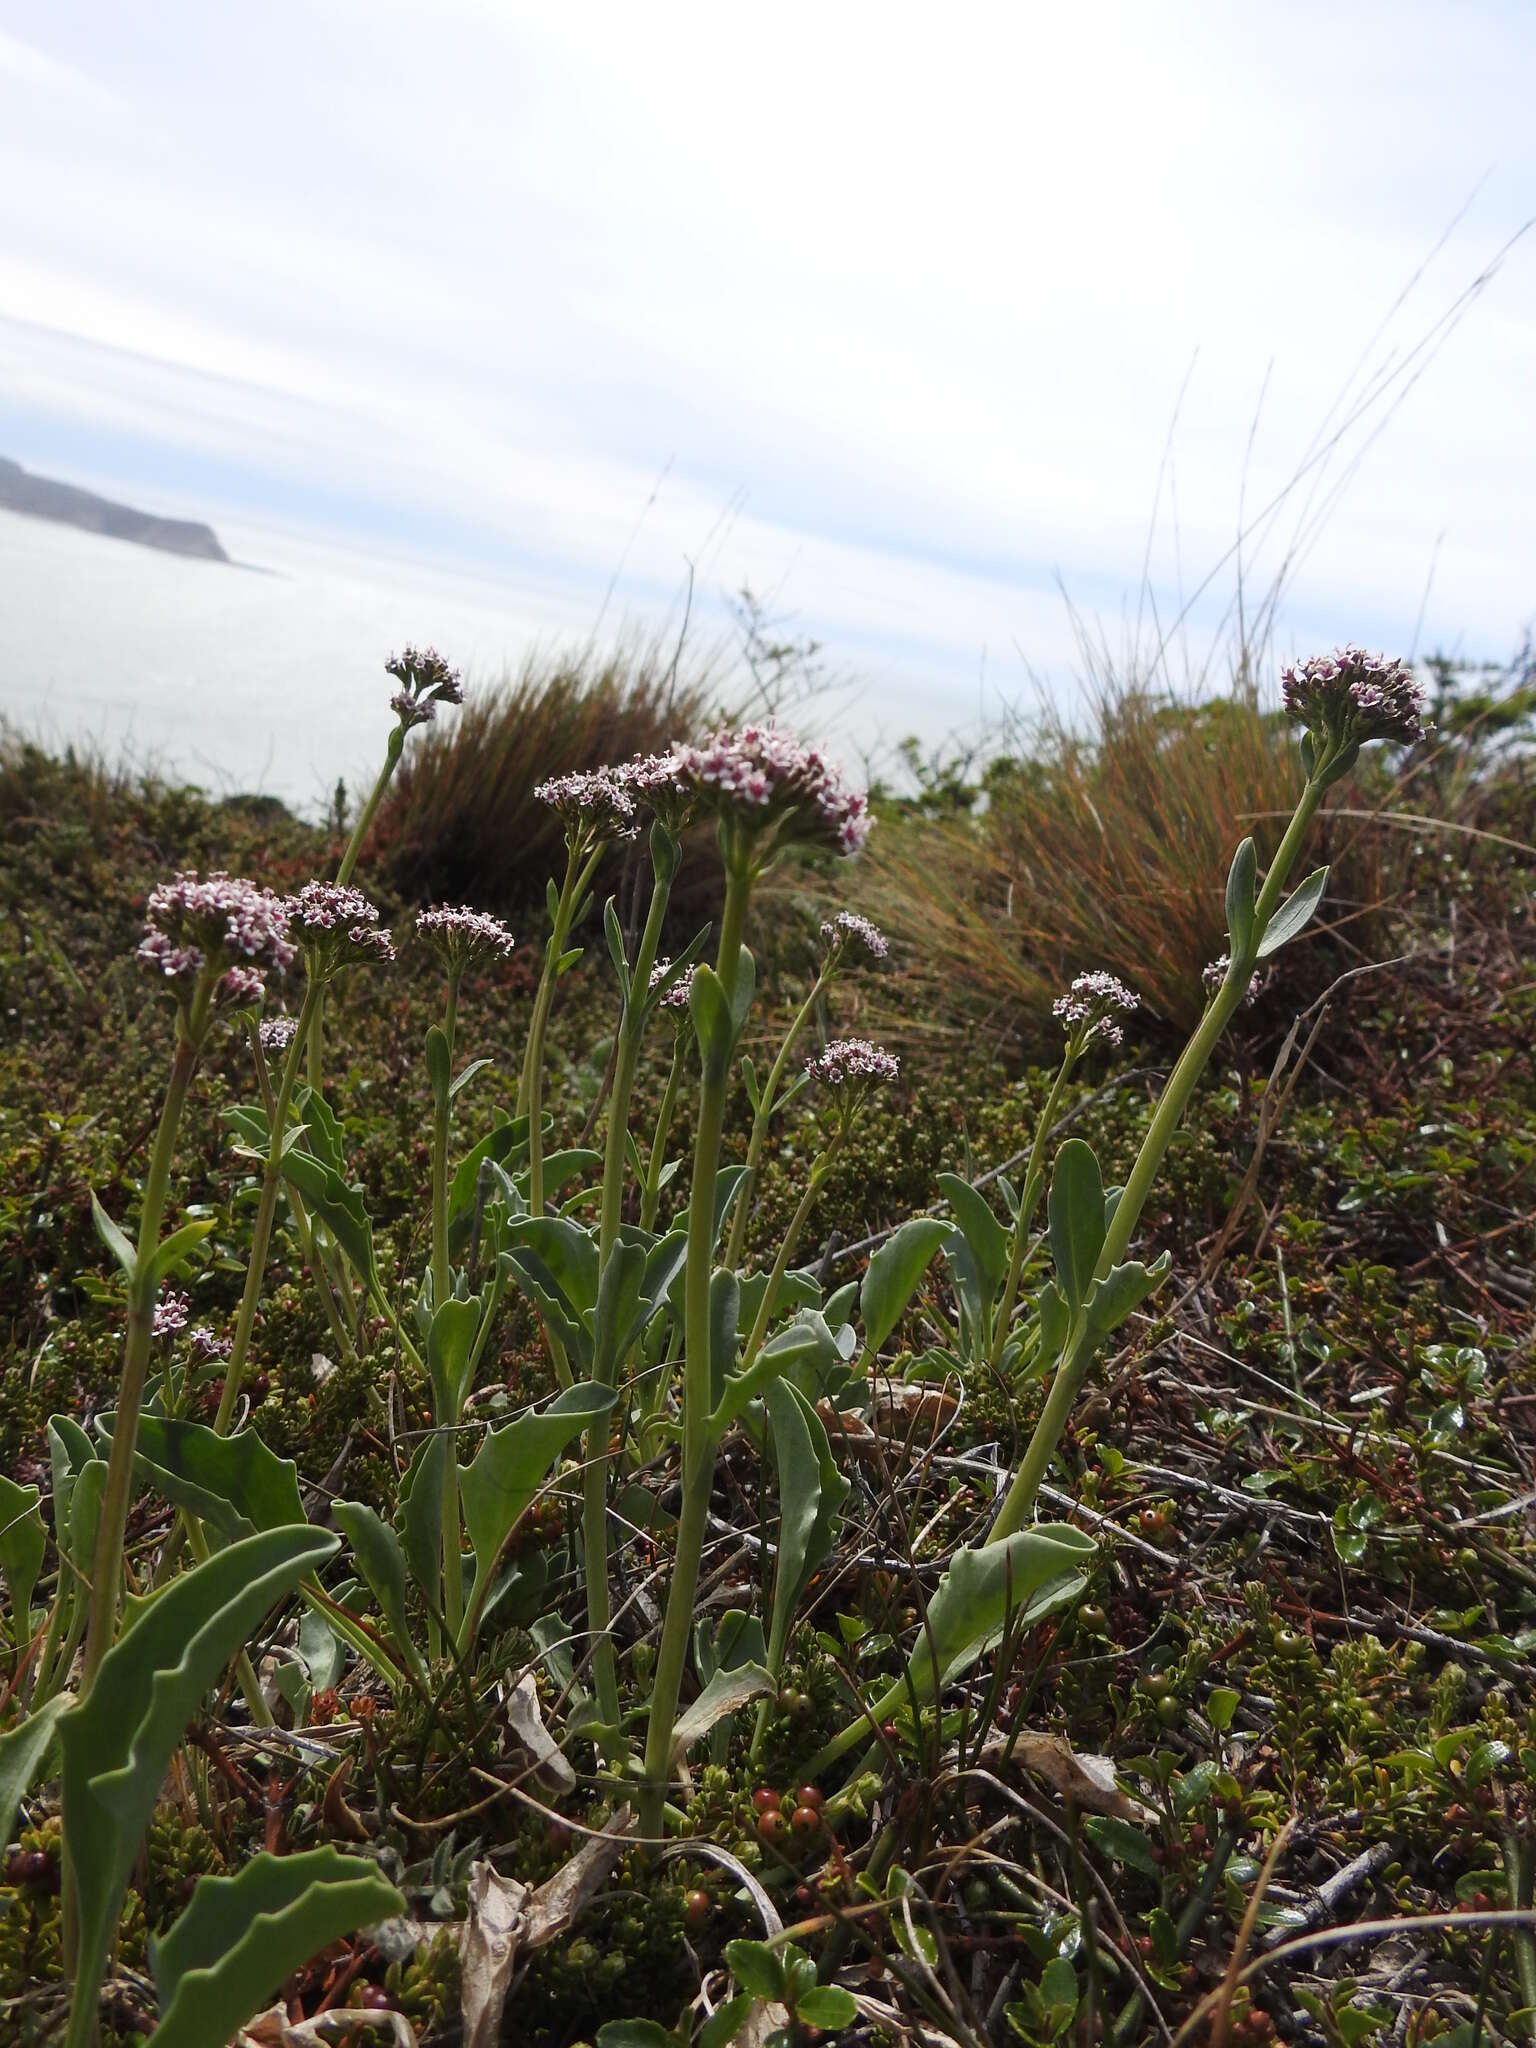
column 657, row 782
column 463, row 936
column 426, row 681
column 676, row 997
column 774, row 784
column 1091, row 1006
column 1353, row 697
column 216, row 920
column 277, row 1033
column 592, row 804
column 1214, row 973
column 847, row 1060
column 206, row 1346
column 839, row 932
column 171, row 1312
column 338, row 927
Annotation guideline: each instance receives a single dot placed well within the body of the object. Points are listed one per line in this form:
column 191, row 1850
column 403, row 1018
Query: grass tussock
column 461, row 823
column 1102, row 844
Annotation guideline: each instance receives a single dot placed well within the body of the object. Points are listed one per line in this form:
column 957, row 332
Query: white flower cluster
column 1093, row 1004
column 847, row 927
column 1353, row 696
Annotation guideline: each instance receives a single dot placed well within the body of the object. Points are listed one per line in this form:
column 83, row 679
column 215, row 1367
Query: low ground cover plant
column 706, row 1623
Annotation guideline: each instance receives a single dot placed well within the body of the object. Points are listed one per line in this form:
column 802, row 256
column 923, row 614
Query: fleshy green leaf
column 419, row 1515
column 381, row 1560
column 242, row 1936
column 23, row 1540
column 232, row 1482
column 727, row 1692
column 1295, row 914
column 113, row 1238
column 339, row 1206
column 827, row 2006
column 755, row 1967
column 119, row 1740
column 171, row 1250
column 1118, row 1840
column 982, row 1588
column 450, row 1346
column 23, row 1752
column 1242, row 877
column 1076, row 1220
column 1123, row 1289
column 439, row 1064
column 512, row 1464
column 983, row 1233
column 811, row 1494
column 713, row 1024
column 894, row 1273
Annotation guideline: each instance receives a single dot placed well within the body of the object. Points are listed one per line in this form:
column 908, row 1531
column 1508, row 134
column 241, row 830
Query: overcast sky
column 885, row 309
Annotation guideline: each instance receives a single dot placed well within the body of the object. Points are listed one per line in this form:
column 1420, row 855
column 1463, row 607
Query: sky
column 933, row 325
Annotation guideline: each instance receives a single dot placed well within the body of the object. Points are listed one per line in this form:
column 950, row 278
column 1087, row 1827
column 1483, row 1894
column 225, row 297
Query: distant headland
column 42, row 498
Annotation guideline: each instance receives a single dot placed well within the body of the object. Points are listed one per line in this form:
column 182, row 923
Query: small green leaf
column 23, row 1752
column 634, row 2034
column 826, row 2006
column 756, row 1968
column 1122, row 1843
column 811, row 1494
column 439, row 1065
column 893, row 1276
column 982, row 1232
column 450, row 1348
column 381, row 1560
column 713, row 1025
column 726, row 2021
column 170, row 1251
column 23, row 1540
column 242, row 1936
column 1122, row 1290
column 1221, row 1706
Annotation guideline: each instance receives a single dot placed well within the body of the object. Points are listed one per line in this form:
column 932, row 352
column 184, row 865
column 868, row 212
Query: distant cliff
column 44, row 499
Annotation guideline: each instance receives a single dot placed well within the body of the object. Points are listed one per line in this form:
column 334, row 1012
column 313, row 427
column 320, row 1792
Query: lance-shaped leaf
column 119, row 1740
column 1295, row 914
column 70, row 1450
column 1123, row 1289
column 982, row 1231
column 1242, row 878
column 506, row 1145
column 620, row 1311
column 727, row 1181
column 419, row 1516
column 170, row 1251
column 893, row 1276
column 233, row 1483
column 113, row 1238
column 982, row 1588
column 381, row 1560
column 325, row 1137
column 568, row 1254
column 23, row 1540
column 439, row 1065
column 811, row 1495
column 242, row 1936
column 510, row 1467
column 727, row 1692
column 1055, row 1322
column 713, row 1024
column 1076, row 1218
column 23, row 1752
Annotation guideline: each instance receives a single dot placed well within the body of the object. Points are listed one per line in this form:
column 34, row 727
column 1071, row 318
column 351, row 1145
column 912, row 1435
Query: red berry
column 765, row 1799
column 376, row 1999
column 808, row 1795
column 773, row 1827
column 806, row 1822
column 698, row 1909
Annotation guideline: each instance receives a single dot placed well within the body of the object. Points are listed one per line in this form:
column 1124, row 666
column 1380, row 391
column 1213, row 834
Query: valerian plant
column 663, row 1341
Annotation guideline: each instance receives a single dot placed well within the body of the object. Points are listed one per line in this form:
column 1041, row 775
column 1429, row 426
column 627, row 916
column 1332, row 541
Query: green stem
column 1519, row 1863
column 594, row 1497
column 698, row 1456
column 106, row 1569
column 442, row 1113
column 266, row 1210
column 314, row 1035
column 763, row 1115
column 1077, row 1358
column 650, row 1199
column 531, row 1088
column 818, row 1173
column 1030, row 1190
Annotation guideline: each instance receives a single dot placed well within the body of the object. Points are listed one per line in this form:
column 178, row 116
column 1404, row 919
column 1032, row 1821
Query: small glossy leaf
column 1242, row 877
column 1120, row 1841
column 726, row 2022
column 634, row 2034
column 1295, row 914
column 118, row 1741
column 893, row 1276
column 1076, row 1220
column 827, row 2006
column 242, row 1936
column 756, row 1968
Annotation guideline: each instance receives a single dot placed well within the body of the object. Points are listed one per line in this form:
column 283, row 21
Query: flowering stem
column 698, row 1448
column 442, row 1112
column 820, row 1168
column 312, row 1254
column 315, row 1035
column 763, row 1115
column 106, row 1568
column 594, row 1504
column 266, row 1210
column 1030, row 1190
column 531, row 1088
column 650, row 1198
column 1078, row 1354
